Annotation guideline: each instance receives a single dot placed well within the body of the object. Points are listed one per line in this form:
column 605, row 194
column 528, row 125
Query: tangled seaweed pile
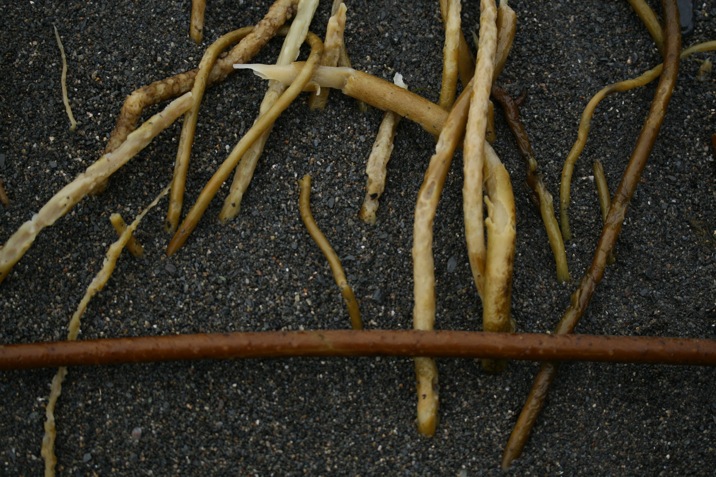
column 615, row 217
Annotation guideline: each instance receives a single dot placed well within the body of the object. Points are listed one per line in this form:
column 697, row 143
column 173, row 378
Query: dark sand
column 261, row 272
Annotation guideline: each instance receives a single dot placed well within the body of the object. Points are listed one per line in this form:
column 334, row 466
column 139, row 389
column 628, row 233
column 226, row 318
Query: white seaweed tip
column 255, row 67
column 398, row 81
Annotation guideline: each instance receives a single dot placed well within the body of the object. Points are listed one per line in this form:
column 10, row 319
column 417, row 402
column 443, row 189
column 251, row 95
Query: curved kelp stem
column 474, row 145
column 586, row 119
column 333, row 261
column 535, row 181
column 500, row 225
column 610, row 232
column 423, row 262
column 262, row 124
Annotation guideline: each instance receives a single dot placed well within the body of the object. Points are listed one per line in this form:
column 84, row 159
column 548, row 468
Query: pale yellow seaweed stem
column 377, row 92
column 506, row 29
column 376, row 168
column 345, row 60
column 450, row 55
column 332, row 48
column 333, row 261
column 500, row 256
column 196, row 27
column 474, row 147
column 466, row 60
column 133, row 245
column 423, row 262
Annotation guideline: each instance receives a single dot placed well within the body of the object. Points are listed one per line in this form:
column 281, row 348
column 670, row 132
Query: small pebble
column 377, row 295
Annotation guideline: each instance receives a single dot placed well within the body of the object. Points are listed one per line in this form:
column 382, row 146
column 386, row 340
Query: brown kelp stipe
column 610, row 232
column 534, row 180
column 345, row 343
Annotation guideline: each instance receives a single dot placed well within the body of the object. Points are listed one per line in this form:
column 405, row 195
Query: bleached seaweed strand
column 247, row 165
column 188, row 131
column 377, row 92
column 377, row 166
column 262, row 124
column 501, row 234
column 339, row 275
column 466, row 60
column 333, row 46
column 450, row 55
column 474, row 146
column 506, row 29
column 63, row 81
column 585, row 124
column 99, row 281
column 344, row 59
column 196, row 24
column 63, row 201
column 426, row 372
